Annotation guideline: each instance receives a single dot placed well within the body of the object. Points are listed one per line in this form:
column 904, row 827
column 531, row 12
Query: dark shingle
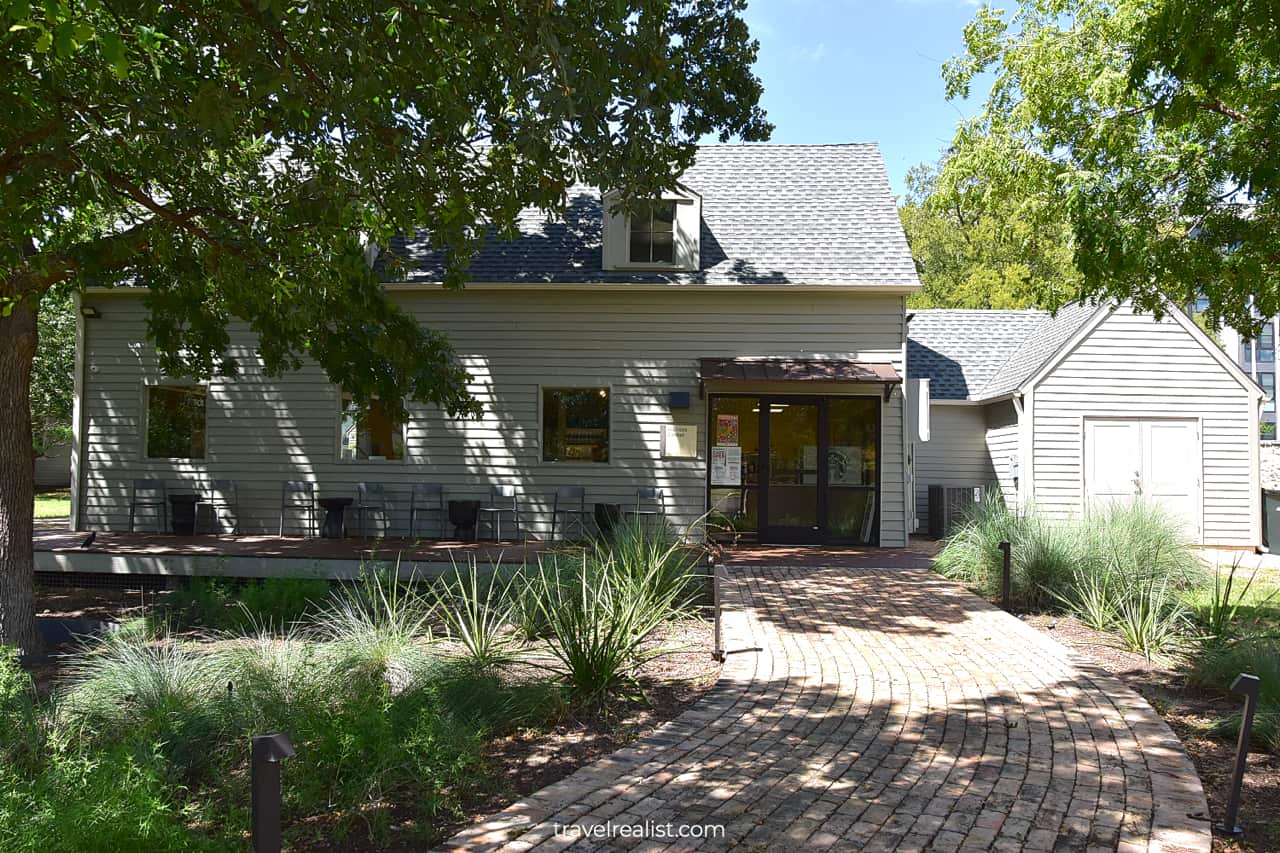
column 771, row 214
column 979, row 355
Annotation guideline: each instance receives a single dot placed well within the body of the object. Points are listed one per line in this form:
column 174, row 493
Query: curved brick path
column 883, row 709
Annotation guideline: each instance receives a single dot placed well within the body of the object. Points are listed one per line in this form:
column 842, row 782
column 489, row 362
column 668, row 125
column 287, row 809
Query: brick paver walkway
column 876, row 710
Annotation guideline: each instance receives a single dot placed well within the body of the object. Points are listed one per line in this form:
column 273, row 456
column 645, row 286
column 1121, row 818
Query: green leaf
column 113, row 51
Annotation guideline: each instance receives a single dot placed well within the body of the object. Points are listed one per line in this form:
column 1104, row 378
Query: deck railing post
column 268, row 752
column 1006, row 576
column 717, row 597
column 1247, row 686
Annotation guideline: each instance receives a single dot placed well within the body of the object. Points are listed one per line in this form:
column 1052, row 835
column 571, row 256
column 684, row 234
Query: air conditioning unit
column 948, row 505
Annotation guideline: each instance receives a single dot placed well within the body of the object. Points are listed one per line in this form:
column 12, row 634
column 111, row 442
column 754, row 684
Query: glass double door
column 796, row 469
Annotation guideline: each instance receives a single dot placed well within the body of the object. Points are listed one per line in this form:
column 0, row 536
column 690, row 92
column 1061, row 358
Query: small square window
column 175, row 421
column 374, row 435
column 575, row 424
column 652, row 233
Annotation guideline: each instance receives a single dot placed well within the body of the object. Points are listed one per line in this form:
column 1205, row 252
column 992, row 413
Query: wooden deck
column 59, row 550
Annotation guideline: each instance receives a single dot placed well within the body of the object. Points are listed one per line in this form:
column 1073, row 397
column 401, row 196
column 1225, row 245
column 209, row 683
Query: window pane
column 640, row 242
column 663, row 250
column 575, row 424
column 374, row 434
column 1268, row 383
column 1267, row 343
column 664, row 216
column 175, row 422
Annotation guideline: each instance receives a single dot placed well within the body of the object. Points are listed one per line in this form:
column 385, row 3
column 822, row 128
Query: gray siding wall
column 1134, row 366
column 955, row 454
column 1002, row 448
column 641, row 344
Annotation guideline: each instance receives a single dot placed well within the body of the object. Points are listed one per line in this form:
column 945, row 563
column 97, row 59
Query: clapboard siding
column 1002, row 445
column 641, row 344
column 1134, row 366
column 955, row 454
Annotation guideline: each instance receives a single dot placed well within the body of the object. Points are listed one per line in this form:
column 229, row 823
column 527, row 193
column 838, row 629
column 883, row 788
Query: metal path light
column 268, row 752
column 1247, row 686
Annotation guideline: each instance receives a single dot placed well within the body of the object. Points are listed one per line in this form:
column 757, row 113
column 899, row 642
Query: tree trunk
column 17, row 479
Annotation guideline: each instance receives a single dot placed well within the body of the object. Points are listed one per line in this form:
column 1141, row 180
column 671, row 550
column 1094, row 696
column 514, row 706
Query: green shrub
column 279, row 601
column 224, row 603
column 201, row 602
column 106, row 801
column 1224, row 607
column 1216, row 666
column 21, row 725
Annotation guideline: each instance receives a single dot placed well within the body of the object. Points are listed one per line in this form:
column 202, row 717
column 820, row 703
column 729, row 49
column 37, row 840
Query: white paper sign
column 680, row 441
column 726, row 466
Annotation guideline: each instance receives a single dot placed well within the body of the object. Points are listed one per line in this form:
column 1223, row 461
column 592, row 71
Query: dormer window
column 651, row 236
column 658, row 235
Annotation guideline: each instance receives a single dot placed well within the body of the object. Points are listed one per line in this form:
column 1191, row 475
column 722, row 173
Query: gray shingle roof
column 771, row 214
column 980, row 355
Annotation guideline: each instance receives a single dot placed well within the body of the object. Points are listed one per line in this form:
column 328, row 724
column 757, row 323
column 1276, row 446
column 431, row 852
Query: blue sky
column 861, row 71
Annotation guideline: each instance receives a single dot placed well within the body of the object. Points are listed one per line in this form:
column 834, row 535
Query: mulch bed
column 1190, row 713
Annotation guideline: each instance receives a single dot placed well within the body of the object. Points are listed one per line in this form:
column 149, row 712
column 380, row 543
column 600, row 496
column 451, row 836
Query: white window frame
column 145, row 406
column 562, row 464
column 675, row 238
column 337, row 436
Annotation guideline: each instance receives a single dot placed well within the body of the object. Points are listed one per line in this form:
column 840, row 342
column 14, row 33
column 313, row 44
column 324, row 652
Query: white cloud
column 814, row 54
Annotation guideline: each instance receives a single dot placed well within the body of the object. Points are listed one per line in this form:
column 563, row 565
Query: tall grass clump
column 652, row 556
column 478, row 616
column 160, row 695
column 1116, row 556
column 378, row 630
column 601, row 623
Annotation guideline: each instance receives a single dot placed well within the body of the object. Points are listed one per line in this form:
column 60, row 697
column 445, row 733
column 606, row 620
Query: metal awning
column 799, row 370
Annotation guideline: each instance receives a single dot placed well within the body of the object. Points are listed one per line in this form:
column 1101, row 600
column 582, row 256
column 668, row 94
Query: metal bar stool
column 571, row 503
column 502, row 499
column 150, row 496
column 299, row 495
column 426, row 498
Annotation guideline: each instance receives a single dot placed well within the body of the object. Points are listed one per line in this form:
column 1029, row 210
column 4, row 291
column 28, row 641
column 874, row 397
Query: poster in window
column 726, row 466
column 726, row 430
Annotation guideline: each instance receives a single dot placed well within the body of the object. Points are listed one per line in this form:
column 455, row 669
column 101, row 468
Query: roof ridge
column 995, row 374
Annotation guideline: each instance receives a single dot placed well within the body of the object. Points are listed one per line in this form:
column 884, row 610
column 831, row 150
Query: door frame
column 766, row 534
column 1138, row 418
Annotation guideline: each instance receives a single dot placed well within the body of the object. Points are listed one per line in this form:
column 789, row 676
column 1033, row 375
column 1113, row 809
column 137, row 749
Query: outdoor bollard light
column 268, row 752
column 1006, row 578
column 1247, row 686
column 718, row 653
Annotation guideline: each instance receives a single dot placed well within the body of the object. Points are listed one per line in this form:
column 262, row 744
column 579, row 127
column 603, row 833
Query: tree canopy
column 1152, row 127
column 970, row 255
column 237, row 159
column 243, row 152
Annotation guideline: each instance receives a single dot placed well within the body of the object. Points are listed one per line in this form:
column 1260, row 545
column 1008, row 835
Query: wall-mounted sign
column 726, row 430
column 680, row 441
column 726, row 466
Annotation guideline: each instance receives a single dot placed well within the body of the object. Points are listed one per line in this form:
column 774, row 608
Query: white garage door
column 1156, row 458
